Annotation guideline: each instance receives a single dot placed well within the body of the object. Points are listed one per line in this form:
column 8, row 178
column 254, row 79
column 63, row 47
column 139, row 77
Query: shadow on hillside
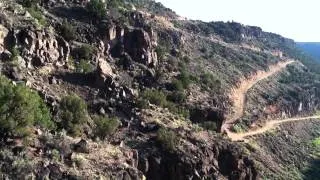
column 313, row 171
column 77, row 13
column 79, row 79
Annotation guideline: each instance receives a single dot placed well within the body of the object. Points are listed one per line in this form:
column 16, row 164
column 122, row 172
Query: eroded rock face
column 139, row 43
column 201, row 162
column 40, row 48
column 141, row 46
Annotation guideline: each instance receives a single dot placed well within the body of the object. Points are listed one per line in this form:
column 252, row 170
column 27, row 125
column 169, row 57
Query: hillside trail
column 268, row 126
column 238, row 96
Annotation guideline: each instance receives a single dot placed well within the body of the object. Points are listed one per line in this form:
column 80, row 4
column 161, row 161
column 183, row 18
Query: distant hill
column 312, row 48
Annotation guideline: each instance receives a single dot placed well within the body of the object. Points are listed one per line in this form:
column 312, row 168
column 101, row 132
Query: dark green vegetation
column 312, row 172
column 36, row 13
column 14, row 54
column 30, row 3
column 168, row 139
column 84, row 66
column 21, row 109
column 67, row 30
column 97, row 9
column 85, row 52
column 296, row 150
column 105, row 126
column 171, row 101
column 34, row 10
column 83, row 57
column 73, row 114
column 135, row 82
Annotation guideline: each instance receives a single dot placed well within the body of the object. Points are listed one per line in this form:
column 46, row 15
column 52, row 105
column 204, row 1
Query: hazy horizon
column 292, row 19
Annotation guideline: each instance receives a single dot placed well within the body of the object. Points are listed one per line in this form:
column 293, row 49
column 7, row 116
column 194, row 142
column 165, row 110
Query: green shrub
column 177, row 97
column 168, row 139
column 184, row 77
column 316, row 143
column 84, row 66
column 73, row 114
column 97, row 9
column 209, row 125
column 154, row 97
column 20, row 109
column 30, row 3
column 238, row 128
column 160, row 52
column 14, row 54
column 142, row 103
column 180, row 110
column 85, row 52
column 36, row 13
column 177, row 85
column 67, row 31
column 105, row 126
column 209, row 81
column 159, row 98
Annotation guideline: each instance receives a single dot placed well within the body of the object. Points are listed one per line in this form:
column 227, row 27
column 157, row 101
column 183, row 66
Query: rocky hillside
column 127, row 89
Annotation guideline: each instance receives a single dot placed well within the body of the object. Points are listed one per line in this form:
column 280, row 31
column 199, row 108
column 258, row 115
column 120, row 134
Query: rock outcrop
column 3, row 34
column 104, row 73
column 139, row 43
column 40, row 47
column 141, row 46
column 202, row 161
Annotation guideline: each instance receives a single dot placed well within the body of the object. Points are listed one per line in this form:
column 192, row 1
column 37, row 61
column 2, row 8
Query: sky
column 295, row 19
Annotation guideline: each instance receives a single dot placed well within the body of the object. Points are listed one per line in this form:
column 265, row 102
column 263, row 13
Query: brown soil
column 238, row 96
column 268, row 126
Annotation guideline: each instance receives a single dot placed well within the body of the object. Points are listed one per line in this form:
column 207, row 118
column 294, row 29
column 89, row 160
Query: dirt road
column 268, row 126
column 238, row 96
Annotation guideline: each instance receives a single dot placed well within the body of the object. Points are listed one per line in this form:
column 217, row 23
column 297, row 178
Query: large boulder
column 104, row 73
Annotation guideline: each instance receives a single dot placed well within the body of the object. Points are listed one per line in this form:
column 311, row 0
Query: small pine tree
column 73, row 114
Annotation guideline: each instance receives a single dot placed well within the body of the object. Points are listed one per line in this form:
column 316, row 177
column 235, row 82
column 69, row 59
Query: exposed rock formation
column 39, row 48
column 104, row 72
column 141, row 46
column 201, row 161
column 3, row 33
column 139, row 43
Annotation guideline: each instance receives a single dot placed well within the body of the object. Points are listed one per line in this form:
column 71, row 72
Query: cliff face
column 166, row 79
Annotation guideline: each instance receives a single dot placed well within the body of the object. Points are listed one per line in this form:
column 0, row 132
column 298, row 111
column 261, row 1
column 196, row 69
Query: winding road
column 268, row 126
column 238, row 95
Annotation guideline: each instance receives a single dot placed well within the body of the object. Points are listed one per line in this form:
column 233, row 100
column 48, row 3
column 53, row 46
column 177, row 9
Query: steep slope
column 238, row 95
column 147, row 91
column 289, row 152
